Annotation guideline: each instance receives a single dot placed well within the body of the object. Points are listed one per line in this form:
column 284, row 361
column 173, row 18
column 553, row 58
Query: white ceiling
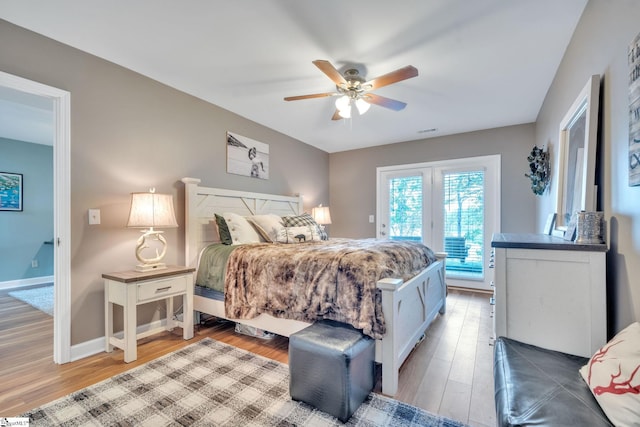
column 26, row 117
column 482, row 63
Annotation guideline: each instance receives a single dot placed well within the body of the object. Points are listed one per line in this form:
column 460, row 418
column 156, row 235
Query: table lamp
column 322, row 216
column 149, row 210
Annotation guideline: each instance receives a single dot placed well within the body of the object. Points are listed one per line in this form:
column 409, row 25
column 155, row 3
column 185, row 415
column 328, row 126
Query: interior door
column 62, row 206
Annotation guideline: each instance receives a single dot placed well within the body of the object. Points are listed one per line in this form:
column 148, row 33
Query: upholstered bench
column 536, row 386
column 332, row 367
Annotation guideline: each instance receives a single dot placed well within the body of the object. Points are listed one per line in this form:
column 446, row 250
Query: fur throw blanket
column 333, row 279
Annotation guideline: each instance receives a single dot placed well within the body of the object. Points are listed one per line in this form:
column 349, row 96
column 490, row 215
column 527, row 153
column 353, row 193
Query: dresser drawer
column 161, row 288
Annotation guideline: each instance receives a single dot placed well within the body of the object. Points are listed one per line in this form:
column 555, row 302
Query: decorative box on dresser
column 550, row 292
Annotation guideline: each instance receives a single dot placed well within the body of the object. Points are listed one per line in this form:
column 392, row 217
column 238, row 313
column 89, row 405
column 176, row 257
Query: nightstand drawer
column 159, row 289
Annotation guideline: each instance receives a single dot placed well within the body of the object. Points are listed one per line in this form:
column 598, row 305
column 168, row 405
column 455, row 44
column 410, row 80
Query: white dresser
column 550, row 292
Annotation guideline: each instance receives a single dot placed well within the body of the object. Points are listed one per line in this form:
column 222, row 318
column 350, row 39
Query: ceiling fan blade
column 314, row 95
column 392, row 104
column 337, row 116
column 330, row 71
column 395, row 76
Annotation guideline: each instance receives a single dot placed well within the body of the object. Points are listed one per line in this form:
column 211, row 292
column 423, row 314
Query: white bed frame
column 408, row 307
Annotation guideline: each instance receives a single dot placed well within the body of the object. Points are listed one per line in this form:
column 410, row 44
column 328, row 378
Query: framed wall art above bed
column 246, row 156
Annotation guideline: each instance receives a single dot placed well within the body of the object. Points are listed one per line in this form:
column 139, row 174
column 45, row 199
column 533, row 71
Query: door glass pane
column 464, row 223
column 405, row 208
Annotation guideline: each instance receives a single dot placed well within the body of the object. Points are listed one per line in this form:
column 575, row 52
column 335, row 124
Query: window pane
column 464, row 223
column 405, row 208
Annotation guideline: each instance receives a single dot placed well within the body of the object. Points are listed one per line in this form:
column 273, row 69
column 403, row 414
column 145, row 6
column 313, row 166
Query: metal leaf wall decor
column 538, row 170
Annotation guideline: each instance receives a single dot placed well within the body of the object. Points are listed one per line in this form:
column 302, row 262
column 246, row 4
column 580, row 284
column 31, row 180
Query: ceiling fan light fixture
column 345, row 113
column 343, row 103
column 362, row 106
column 352, row 88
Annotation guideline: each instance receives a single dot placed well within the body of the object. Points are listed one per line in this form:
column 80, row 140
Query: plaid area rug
column 212, row 384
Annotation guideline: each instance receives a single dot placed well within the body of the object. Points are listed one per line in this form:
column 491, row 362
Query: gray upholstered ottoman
column 332, row 367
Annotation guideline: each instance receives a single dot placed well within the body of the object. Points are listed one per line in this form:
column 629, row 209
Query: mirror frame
column 576, row 172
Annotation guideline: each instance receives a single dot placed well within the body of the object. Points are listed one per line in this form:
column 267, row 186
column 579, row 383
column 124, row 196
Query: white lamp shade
column 362, row 106
column 345, row 113
column 342, row 103
column 150, row 210
column 321, row 214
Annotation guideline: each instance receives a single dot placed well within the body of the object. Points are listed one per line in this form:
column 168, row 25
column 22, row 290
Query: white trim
column 21, row 283
column 61, row 209
column 96, row 345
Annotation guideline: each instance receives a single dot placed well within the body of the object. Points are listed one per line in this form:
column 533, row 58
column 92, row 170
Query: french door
column 451, row 206
column 407, row 215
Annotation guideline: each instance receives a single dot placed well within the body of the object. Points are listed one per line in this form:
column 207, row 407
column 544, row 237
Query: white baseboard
column 95, row 346
column 21, row 283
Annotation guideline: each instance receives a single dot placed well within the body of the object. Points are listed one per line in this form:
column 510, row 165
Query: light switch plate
column 94, row 216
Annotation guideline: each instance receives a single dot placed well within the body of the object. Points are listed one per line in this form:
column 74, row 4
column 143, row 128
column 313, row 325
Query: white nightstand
column 132, row 288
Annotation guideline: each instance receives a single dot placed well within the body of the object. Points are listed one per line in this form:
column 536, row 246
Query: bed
column 408, row 306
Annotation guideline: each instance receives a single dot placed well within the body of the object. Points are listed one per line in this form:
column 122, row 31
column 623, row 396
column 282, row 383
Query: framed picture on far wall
column 10, row 191
column 246, row 156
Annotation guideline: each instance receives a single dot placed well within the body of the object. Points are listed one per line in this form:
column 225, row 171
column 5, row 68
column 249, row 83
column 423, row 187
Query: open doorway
column 60, row 103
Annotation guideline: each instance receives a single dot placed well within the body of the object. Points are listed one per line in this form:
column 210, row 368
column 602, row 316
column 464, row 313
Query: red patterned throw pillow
column 613, row 375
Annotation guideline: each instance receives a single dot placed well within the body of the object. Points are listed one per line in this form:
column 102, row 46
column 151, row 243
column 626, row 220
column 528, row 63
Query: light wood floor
column 449, row 373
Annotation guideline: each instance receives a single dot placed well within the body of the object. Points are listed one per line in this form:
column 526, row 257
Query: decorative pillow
column 306, row 233
column 613, row 375
column 240, row 229
column 304, row 219
column 212, row 234
column 268, row 226
column 223, row 230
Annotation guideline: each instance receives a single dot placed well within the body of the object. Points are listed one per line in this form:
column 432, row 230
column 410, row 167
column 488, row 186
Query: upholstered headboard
column 202, row 203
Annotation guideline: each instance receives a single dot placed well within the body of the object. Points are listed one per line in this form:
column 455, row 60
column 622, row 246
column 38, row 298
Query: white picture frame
column 577, row 155
column 246, row 156
column 550, row 224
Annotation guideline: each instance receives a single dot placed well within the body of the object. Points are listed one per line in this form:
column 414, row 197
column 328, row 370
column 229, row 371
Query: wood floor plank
column 433, row 385
column 455, row 401
column 449, row 373
column 481, row 413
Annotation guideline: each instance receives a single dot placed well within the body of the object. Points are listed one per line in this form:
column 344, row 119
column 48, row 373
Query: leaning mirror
column 577, row 155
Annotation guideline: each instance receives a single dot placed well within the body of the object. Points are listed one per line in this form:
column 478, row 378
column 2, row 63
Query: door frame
column 492, row 163
column 61, row 100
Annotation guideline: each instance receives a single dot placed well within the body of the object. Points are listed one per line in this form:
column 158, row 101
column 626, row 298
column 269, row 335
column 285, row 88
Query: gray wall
column 22, row 234
column 353, row 175
column 599, row 46
column 129, row 133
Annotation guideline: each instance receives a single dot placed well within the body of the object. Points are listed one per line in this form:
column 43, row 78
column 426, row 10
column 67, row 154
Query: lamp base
column 150, row 264
column 151, row 267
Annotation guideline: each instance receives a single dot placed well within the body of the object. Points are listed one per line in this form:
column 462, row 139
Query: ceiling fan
column 353, row 89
